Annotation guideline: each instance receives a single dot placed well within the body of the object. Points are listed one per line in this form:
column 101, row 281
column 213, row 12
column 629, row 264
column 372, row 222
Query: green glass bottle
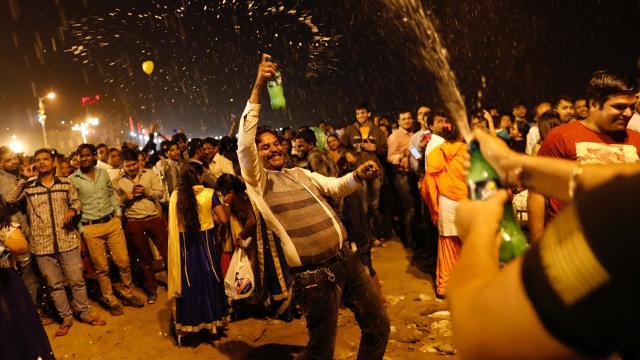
column 276, row 91
column 483, row 181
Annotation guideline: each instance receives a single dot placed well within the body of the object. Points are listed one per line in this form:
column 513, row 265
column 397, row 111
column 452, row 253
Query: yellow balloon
column 147, row 67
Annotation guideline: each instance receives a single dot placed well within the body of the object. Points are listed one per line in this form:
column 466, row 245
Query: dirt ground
column 421, row 328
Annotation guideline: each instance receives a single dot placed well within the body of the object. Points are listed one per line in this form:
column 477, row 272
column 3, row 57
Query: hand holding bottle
column 276, row 91
column 266, row 70
column 481, row 218
column 506, row 162
column 483, row 182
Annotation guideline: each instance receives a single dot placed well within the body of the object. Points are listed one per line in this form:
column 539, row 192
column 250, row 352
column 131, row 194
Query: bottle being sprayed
column 276, row 91
column 483, row 181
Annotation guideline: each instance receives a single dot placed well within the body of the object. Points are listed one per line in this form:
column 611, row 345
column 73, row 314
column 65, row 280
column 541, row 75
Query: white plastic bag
column 239, row 282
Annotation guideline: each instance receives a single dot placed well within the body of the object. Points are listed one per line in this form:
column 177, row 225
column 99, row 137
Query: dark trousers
column 136, row 233
column 358, row 230
column 319, row 293
column 29, row 276
column 406, row 195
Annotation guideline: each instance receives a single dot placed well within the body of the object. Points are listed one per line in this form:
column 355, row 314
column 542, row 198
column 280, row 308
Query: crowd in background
column 182, row 207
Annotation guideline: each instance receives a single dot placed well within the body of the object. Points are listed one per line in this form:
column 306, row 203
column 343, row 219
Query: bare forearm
column 552, row 177
column 547, row 176
column 535, row 212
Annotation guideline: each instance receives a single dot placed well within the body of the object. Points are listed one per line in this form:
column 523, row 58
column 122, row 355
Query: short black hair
column 308, row 136
column 604, row 84
column 179, row 137
column 211, row 141
column 194, row 145
column 44, row 150
column 432, row 115
column 129, row 154
column 101, row 145
column 563, row 97
column 263, row 130
column 166, row 145
column 363, row 106
column 91, row 148
column 519, row 103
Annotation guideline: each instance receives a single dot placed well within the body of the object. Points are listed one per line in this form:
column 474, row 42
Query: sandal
column 94, row 320
column 45, row 320
column 64, row 328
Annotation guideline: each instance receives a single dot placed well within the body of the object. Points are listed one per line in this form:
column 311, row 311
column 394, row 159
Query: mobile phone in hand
column 416, row 154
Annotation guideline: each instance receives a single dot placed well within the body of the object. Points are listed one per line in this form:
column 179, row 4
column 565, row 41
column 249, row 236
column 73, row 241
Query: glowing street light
column 84, row 127
column 16, row 145
column 43, row 117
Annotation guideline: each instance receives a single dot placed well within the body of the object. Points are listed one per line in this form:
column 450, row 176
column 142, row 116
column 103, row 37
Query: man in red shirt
column 601, row 138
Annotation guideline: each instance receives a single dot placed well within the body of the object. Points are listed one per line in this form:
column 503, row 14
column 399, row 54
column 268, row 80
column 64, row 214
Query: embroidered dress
column 21, row 331
column 195, row 274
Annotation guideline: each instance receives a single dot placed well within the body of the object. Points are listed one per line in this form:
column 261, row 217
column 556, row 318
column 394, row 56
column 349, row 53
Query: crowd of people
column 306, row 205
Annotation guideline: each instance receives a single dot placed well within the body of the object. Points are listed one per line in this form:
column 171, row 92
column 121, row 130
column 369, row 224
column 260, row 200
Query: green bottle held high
column 276, row 91
column 483, row 181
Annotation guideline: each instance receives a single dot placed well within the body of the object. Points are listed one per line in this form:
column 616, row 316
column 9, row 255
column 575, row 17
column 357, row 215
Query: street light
column 15, row 145
column 84, row 127
column 43, row 117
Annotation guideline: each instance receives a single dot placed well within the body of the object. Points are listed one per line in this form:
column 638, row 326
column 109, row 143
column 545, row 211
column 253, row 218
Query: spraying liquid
column 482, row 179
column 435, row 56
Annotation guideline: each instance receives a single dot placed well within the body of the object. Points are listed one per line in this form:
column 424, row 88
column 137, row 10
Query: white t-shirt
column 435, row 141
column 634, row 123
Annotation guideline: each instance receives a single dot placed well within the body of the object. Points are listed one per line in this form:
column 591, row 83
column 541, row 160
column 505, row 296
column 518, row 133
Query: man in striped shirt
column 326, row 273
column 52, row 203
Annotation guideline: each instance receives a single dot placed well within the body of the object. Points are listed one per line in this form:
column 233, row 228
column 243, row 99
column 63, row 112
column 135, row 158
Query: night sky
column 333, row 55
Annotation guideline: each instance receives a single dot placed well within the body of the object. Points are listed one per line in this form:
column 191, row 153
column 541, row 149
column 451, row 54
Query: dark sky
column 333, row 54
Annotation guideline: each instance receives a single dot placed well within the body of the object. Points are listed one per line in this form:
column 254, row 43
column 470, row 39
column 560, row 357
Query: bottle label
column 482, row 190
column 277, row 80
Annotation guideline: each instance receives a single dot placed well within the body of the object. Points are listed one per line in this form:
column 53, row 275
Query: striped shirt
column 46, row 208
column 290, row 200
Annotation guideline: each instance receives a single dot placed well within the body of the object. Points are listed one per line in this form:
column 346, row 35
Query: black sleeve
column 582, row 277
column 150, row 145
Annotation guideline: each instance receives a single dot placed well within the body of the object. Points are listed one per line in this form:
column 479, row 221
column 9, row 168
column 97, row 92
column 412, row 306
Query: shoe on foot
column 133, row 301
column 152, row 298
column 116, row 309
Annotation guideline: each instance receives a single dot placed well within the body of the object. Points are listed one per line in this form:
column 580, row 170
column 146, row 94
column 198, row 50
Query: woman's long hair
column 228, row 183
column 187, row 205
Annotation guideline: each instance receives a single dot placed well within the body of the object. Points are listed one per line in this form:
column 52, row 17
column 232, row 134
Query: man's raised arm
column 252, row 170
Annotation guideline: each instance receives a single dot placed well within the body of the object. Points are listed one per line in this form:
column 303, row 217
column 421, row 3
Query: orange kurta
column 445, row 177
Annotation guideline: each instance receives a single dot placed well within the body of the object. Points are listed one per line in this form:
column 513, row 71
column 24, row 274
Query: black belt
column 341, row 255
column 102, row 220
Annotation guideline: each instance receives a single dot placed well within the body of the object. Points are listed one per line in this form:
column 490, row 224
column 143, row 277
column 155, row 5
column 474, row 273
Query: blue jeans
column 56, row 268
column 319, row 293
column 369, row 194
